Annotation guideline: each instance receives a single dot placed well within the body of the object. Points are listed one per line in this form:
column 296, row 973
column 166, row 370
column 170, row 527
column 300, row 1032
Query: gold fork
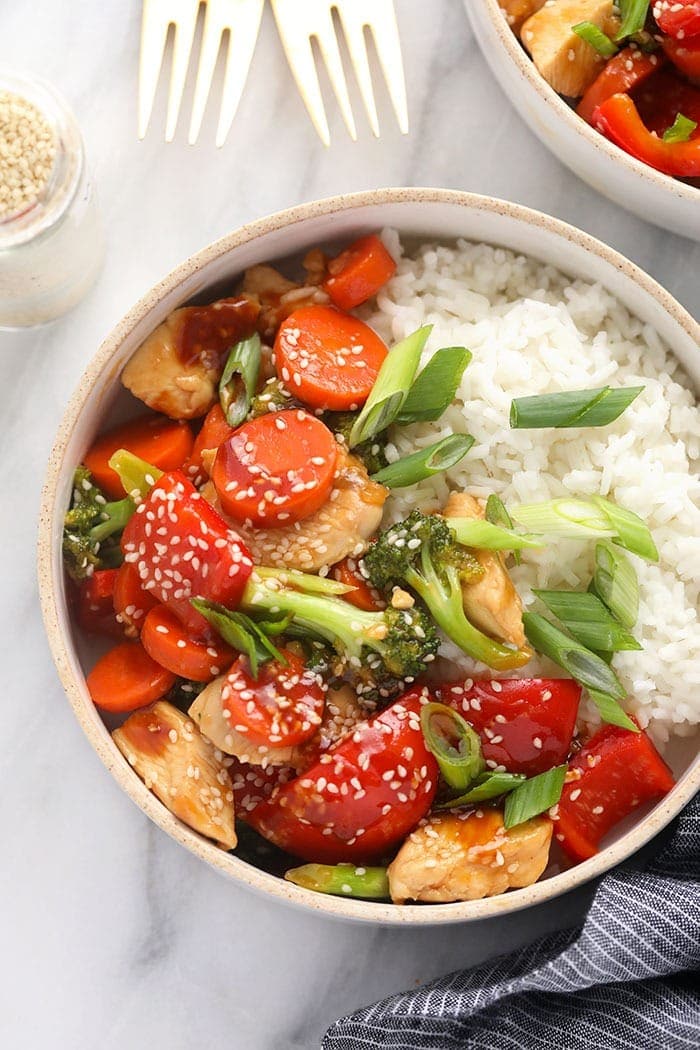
column 300, row 21
column 240, row 18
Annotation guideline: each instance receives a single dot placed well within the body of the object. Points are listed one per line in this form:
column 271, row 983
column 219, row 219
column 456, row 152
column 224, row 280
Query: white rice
column 533, row 330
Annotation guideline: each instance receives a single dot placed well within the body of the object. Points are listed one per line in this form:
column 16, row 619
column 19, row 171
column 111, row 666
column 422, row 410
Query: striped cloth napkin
column 625, row 979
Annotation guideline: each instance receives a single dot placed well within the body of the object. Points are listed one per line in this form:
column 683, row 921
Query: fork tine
column 211, row 41
column 186, row 22
column 385, row 31
column 328, row 43
column 154, row 31
column 355, row 39
column 297, row 47
column 241, row 45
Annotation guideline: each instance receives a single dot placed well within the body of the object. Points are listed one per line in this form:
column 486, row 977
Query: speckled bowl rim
column 50, row 589
column 665, row 183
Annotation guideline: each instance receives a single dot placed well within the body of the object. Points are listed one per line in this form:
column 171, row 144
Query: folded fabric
column 626, row 978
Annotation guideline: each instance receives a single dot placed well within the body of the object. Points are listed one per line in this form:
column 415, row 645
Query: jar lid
column 58, row 191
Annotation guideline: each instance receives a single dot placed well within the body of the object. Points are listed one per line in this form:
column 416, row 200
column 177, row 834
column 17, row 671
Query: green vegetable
column 583, row 665
column 482, row 535
column 588, row 620
column 426, row 462
column 342, row 880
column 572, row 408
column 370, row 452
column 273, row 397
column 595, row 518
column 92, row 527
column 610, row 711
column 240, row 632
column 239, row 379
column 615, row 583
column 681, row 129
column 634, row 16
column 435, row 386
column 595, row 36
column 304, row 581
column 136, row 475
column 497, row 514
column 486, row 787
column 630, row 531
column 535, row 796
column 454, row 743
column 422, row 553
column 391, row 387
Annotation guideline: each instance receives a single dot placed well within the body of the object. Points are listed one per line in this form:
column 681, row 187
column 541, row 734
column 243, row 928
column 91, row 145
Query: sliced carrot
column 163, row 442
column 131, row 601
column 215, row 430
column 359, row 272
column 363, row 595
column 126, row 678
column 327, row 358
column 166, row 641
column 276, row 469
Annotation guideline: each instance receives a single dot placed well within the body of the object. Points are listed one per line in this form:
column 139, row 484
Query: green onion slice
column 681, row 129
column 497, row 514
column 391, row 387
column 242, row 633
column 426, row 462
column 535, row 796
column 239, row 379
column 590, row 622
column 486, row 787
column 454, row 743
column 435, row 386
column 583, row 665
column 595, row 518
column 136, row 475
column 595, row 36
column 572, row 408
column 615, row 583
column 630, row 531
column 342, row 880
column 634, row 16
column 482, row 535
column 611, row 711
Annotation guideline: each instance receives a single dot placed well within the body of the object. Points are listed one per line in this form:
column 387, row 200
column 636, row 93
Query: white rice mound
column 532, row 330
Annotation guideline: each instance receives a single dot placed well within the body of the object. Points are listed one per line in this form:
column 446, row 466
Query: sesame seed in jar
column 27, row 154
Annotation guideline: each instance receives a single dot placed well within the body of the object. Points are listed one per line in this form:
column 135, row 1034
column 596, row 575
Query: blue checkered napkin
column 628, row 978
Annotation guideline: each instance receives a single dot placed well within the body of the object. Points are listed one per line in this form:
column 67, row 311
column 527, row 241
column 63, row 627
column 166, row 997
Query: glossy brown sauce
column 209, row 332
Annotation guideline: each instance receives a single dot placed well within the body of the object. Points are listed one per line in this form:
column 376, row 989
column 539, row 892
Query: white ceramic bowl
column 426, row 214
column 654, row 197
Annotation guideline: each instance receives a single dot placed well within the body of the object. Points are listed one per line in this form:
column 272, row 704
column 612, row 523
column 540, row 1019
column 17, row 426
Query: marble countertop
column 114, row 936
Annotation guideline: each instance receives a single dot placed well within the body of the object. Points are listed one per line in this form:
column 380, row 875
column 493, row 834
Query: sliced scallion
column 239, row 379
column 435, row 386
column 595, row 36
column 454, row 743
column 497, row 514
column 136, row 475
column 681, row 129
column 634, row 16
column 572, row 408
column 342, row 880
column 487, row 786
column 590, row 622
column 535, row 796
column 483, row 535
column 615, row 583
column 630, row 531
column 611, row 711
column 426, row 462
column 595, row 518
column 391, row 387
column 241, row 633
column 583, row 665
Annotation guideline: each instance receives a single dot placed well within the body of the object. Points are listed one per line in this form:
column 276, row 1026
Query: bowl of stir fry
column 350, row 567
column 612, row 89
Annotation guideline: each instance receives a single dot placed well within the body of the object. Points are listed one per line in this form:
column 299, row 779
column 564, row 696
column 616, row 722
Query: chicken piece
column 491, row 602
column 566, row 61
column 466, row 856
column 183, row 769
column 342, row 526
column 517, row 11
column 176, row 370
column 341, row 712
column 278, row 296
column 315, row 263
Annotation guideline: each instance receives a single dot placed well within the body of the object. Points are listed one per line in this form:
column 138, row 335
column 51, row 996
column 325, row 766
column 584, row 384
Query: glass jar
column 51, row 248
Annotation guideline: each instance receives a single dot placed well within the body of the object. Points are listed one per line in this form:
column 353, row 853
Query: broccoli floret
column 371, row 452
column 422, row 554
column 380, row 650
column 272, row 398
column 91, row 528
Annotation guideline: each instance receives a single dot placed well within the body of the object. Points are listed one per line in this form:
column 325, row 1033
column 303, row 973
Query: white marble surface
column 112, row 935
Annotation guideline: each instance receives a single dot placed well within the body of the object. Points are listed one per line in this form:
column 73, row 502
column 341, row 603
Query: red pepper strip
column 678, row 18
column 685, row 54
column 615, row 772
column 626, row 71
column 663, row 97
column 525, row 724
column 95, row 604
column 619, row 120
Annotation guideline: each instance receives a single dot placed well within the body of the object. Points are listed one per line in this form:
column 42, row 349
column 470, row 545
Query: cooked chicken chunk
column 491, row 602
column 278, row 296
column 469, row 855
column 342, row 526
column 341, row 712
column 517, row 11
column 182, row 768
column 566, row 61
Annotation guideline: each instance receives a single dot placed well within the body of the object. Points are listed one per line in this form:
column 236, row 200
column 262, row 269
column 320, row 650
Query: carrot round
column 276, row 469
column 131, row 601
column 163, row 442
column 328, row 359
column 359, row 272
column 126, row 678
column 166, row 641
column 215, row 430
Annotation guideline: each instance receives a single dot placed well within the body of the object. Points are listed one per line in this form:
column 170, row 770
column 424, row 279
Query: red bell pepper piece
column 619, row 120
column 678, row 18
column 525, row 724
column 626, row 71
column 362, row 797
column 615, row 772
column 359, row 272
column 663, row 97
column 685, row 55
column 95, row 604
column 363, row 595
column 183, row 549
